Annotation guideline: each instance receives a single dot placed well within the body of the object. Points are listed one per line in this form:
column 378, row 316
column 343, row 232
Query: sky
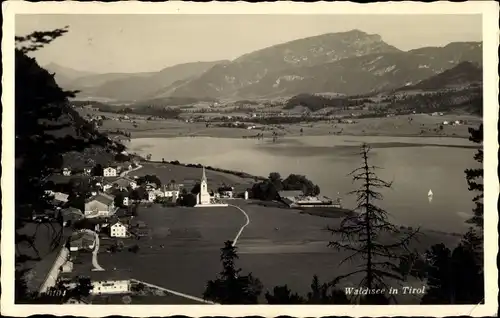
column 143, row 43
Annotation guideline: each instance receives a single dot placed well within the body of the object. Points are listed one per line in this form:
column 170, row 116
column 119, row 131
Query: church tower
column 203, row 196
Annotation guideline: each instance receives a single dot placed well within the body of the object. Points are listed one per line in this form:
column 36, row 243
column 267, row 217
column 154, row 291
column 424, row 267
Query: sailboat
column 430, row 195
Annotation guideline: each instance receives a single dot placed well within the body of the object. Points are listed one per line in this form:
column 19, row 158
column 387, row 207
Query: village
column 110, row 210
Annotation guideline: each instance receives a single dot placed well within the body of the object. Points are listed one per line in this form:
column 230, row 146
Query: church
column 203, row 197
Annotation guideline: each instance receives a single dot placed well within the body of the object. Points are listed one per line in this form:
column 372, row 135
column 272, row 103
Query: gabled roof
column 63, row 197
column 123, row 182
column 290, row 193
column 118, row 223
column 71, row 210
column 101, row 197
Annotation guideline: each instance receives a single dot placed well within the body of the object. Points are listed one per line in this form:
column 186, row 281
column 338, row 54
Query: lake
column 413, row 164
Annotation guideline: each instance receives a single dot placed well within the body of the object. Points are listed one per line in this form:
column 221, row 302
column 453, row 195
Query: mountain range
column 350, row 63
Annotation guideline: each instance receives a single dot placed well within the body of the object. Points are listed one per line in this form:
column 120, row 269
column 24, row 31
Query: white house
column 66, row 172
column 226, row 192
column 125, row 201
column 111, row 286
column 151, row 196
column 118, row 230
column 109, row 172
column 172, row 190
column 132, row 184
column 106, row 186
column 105, row 282
column 101, row 205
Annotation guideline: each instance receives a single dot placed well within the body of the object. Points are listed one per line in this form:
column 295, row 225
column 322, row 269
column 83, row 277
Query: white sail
column 430, row 194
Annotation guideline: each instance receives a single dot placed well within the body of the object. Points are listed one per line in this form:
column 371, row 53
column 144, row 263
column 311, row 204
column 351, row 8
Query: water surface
column 413, row 164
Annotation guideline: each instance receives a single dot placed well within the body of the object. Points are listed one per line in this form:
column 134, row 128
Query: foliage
column 196, row 188
column 363, row 232
column 230, row 287
column 187, row 199
column 149, row 178
column 283, row 295
column 454, row 277
column 267, row 190
column 46, row 128
column 138, row 194
column 316, row 102
column 118, row 200
column 320, row 294
column 474, row 178
column 97, row 170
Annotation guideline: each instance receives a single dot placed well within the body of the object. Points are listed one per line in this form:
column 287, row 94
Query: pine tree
column 363, row 232
column 284, row 296
column 474, row 176
column 230, row 287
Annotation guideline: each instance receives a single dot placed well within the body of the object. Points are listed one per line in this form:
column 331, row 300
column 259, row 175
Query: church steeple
column 203, row 176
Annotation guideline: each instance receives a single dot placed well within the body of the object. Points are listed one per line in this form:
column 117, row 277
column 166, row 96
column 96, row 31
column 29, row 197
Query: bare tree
column 362, row 233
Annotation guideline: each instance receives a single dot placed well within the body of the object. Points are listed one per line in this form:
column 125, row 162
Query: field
column 279, row 246
column 422, row 125
column 181, row 174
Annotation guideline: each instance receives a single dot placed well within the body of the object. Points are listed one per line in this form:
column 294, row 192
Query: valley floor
column 419, row 125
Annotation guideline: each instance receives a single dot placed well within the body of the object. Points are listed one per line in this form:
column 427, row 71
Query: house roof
column 101, row 197
column 71, row 214
column 63, row 197
column 71, row 210
column 110, row 275
column 117, row 223
column 122, row 182
column 171, row 187
column 82, row 238
column 290, row 193
column 110, row 167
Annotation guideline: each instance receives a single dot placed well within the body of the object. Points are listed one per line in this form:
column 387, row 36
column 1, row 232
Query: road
column 95, row 263
column 244, row 225
column 124, row 173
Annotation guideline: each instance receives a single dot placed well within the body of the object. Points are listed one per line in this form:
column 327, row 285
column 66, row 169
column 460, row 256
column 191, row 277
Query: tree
column 43, row 114
column 320, row 294
column 473, row 177
column 275, row 179
column 299, row 182
column 118, row 200
column 454, row 277
column 325, row 294
column 363, row 232
column 188, row 200
column 97, row 170
column 196, row 188
column 230, row 287
column 283, row 295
